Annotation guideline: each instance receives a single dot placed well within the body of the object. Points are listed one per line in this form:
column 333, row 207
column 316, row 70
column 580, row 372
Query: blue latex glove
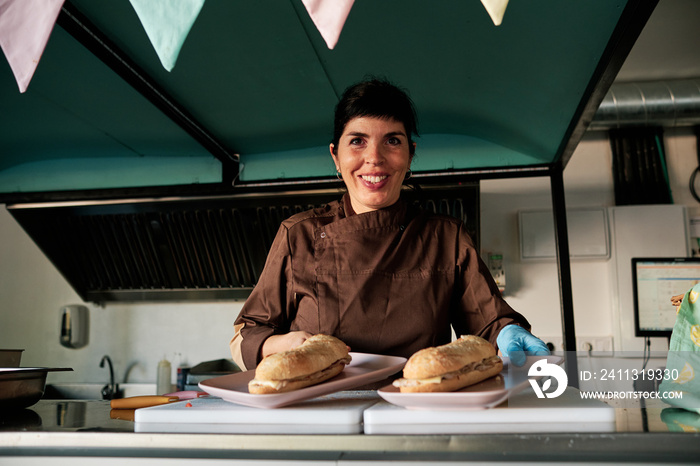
column 516, row 343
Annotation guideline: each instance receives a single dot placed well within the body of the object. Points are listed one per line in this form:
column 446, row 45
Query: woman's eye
column 355, row 141
column 394, row 141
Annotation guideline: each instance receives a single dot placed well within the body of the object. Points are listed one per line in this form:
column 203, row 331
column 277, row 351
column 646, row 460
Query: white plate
column 363, row 369
column 484, row 395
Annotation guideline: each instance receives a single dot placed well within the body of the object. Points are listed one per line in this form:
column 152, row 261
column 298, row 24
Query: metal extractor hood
column 187, row 248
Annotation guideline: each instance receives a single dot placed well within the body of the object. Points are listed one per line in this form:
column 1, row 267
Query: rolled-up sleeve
column 266, row 311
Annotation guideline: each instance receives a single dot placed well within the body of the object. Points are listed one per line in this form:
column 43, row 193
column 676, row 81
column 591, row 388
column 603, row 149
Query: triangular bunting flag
column 167, row 23
column 25, row 27
column 329, row 17
column 496, row 9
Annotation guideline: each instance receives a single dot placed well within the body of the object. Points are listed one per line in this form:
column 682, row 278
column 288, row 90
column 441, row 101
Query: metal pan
column 21, row 387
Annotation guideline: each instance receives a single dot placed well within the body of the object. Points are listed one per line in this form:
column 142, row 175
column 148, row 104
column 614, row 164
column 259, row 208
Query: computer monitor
column 655, row 281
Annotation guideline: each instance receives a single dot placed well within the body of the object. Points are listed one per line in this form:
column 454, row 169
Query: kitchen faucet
column 111, row 390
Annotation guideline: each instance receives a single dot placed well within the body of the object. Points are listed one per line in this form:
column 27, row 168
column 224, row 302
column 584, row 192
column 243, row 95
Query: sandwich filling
column 483, row 365
column 279, row 384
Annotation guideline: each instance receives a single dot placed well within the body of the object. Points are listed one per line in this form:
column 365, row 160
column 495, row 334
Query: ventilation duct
column 658, row 103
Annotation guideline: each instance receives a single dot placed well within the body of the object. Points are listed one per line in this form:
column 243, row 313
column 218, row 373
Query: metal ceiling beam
column 566, row 295
column 85, row 32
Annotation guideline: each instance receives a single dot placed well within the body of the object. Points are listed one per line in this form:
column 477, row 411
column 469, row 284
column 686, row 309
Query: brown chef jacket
column 388, row 282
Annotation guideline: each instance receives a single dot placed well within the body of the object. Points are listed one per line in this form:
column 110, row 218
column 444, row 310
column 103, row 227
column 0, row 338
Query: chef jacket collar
column 346, row 205
column 349, row 221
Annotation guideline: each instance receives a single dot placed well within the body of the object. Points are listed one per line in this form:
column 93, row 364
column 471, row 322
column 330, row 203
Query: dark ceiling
column 258, row 80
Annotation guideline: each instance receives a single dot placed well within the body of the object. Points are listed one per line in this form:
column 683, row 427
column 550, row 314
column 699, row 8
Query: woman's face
column 373, row 157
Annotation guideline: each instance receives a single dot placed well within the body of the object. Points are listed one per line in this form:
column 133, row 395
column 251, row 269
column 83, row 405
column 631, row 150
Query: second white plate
column 484, row 395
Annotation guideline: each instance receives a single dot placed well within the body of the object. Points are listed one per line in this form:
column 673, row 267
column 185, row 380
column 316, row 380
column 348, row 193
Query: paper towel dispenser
column 75, row 322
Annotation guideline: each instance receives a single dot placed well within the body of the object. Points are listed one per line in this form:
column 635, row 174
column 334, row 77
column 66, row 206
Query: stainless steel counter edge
column 628, row 447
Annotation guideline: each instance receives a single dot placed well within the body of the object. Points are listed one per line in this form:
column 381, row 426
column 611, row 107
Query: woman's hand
column 516, row 343
column 284, row 342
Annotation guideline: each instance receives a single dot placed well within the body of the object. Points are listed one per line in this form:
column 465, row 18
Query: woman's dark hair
column 375, row 98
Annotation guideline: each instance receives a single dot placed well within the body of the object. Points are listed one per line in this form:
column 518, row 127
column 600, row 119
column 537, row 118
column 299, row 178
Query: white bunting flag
column 25, row 27
column 496, row 9
column 329, row 17
column 167, row 23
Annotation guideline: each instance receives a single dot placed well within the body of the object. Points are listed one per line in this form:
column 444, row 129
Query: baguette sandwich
column 463, row 362
column 318, row 359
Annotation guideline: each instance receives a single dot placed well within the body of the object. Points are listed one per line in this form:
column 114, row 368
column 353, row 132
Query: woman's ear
column 331, row 148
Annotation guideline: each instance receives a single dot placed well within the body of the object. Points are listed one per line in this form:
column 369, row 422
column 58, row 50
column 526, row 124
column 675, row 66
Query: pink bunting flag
column 329, row 17
column 496, row 9
column 25, row 27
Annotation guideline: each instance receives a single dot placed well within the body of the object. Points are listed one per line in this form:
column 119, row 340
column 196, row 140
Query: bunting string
column 26, row 25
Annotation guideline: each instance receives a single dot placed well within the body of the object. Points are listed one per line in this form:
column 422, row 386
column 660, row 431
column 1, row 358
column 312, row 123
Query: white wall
column 135, row 336
column 532, row 287
column 32, row 291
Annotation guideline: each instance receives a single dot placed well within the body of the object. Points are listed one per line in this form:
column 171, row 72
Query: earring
column 337, row 174
column 408, row 174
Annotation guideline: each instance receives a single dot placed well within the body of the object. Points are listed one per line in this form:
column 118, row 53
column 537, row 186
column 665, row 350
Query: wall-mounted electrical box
column 587, row 229
column 497, row 270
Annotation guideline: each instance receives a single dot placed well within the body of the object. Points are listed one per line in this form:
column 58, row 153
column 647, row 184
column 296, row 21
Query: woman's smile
column 373, row 179
column 373, row 156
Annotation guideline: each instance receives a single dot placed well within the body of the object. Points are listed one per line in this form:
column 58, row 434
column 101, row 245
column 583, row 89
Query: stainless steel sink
column 93, row 391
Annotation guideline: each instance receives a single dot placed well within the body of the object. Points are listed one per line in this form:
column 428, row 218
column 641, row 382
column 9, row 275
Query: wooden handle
column 145, row 401
column 123, row 414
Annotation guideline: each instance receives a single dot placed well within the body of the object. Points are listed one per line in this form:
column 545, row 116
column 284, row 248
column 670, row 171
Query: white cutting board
column 338, row 413
column 521, row 413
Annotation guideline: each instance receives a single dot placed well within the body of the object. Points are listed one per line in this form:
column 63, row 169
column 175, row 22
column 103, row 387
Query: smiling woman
column 377, row 272
column 373, row 154
column 373, row 158
column 373, row 143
